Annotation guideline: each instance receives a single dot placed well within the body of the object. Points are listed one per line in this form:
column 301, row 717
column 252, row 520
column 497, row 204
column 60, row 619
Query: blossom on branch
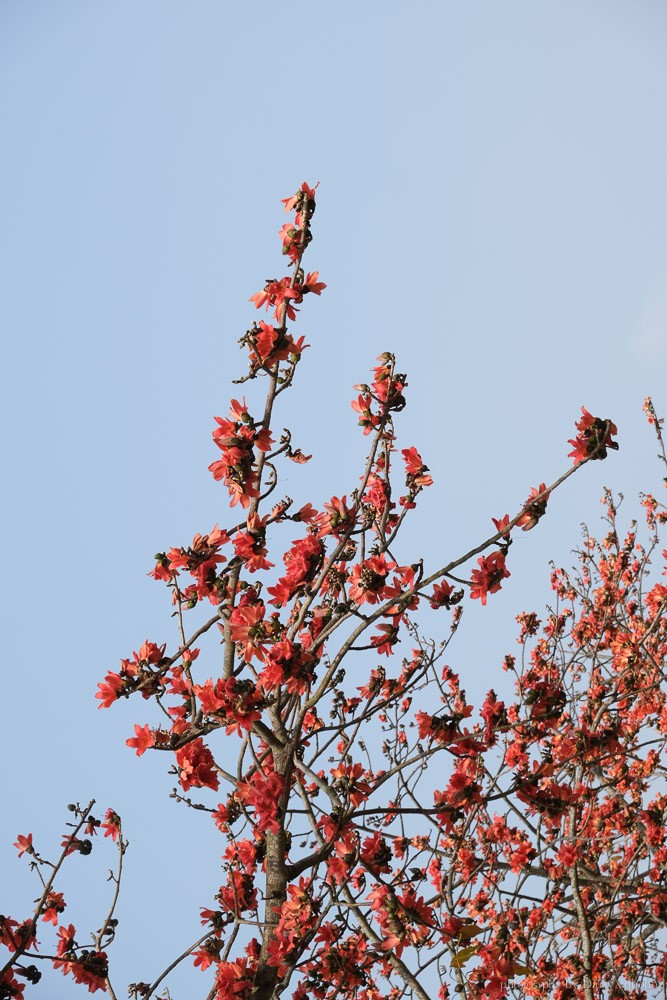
column 196, row 766
column 488, row 578
column 359, row 881
column 533, row 508
column 24, row 845
column 594, row 437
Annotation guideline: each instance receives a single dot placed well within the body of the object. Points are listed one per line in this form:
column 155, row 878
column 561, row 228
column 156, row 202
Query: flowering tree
column 381, row 836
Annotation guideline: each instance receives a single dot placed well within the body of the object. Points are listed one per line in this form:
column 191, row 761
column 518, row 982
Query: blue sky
column 492, row 208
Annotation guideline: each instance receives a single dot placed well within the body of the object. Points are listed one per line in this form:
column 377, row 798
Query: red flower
column 10, row 986
column 501, row 524
column 14, row 935
column 377, row 496
column 225, row 814
column 109, row 690
column 263, row 793
column 494, row 715
column 73, row 844
column 143, row 739
column 376, row 853
column 249, row 630
column 387, row 639
column 54, row 905
column 278, row 294
column 488, row 578
column 368, row 580
column 237, row 438
column 291, row 240
column 234, row 980
column 463, row 789
column 338, row 518
column 403, row 920
column 91, row 969
column 208, row 954
column 367, row 419
column 415, row 468
column 306, row 513
column 67, row 939
column 533, row 509
column 289, row 664
column 239, row 893
column 24, row 845
column 348, row 782
column 594, row 437
column 271, row 344
column 233, row 700
column 309, row 192
column 311, row 284
column 442, row 593
column 111, row 825
column 197, row 766
column 250, row 545
column 303, row 561
column 150, row 653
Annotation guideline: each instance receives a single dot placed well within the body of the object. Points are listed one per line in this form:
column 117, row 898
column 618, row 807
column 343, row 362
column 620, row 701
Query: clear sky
column 492, row 207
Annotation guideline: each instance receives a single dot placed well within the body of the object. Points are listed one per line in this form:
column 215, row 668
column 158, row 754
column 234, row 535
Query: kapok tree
column 381, row 836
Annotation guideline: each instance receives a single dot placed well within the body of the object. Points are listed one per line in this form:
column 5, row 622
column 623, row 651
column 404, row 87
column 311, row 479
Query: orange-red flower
column 501, row 524
column 111, row 825
column 197, row 767
column 594, row 437
column 24, row 845
column 311, row 284
column 533, row 509
column 262, row 793
column 249, row 630
column 143, row 739
column 442, row 594
column 53, row 907
column 488, row 578
column 368, row 580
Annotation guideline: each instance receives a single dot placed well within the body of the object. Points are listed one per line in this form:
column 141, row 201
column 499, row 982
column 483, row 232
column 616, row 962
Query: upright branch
column 356, row 864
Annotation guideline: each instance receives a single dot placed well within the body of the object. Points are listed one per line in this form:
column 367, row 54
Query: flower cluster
column 238, row 438
column 490, row 575
column 88, row 966
column 277, row 676
column 284, row 295
column 353, row 878
column 385, row 394
column 594, row 437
